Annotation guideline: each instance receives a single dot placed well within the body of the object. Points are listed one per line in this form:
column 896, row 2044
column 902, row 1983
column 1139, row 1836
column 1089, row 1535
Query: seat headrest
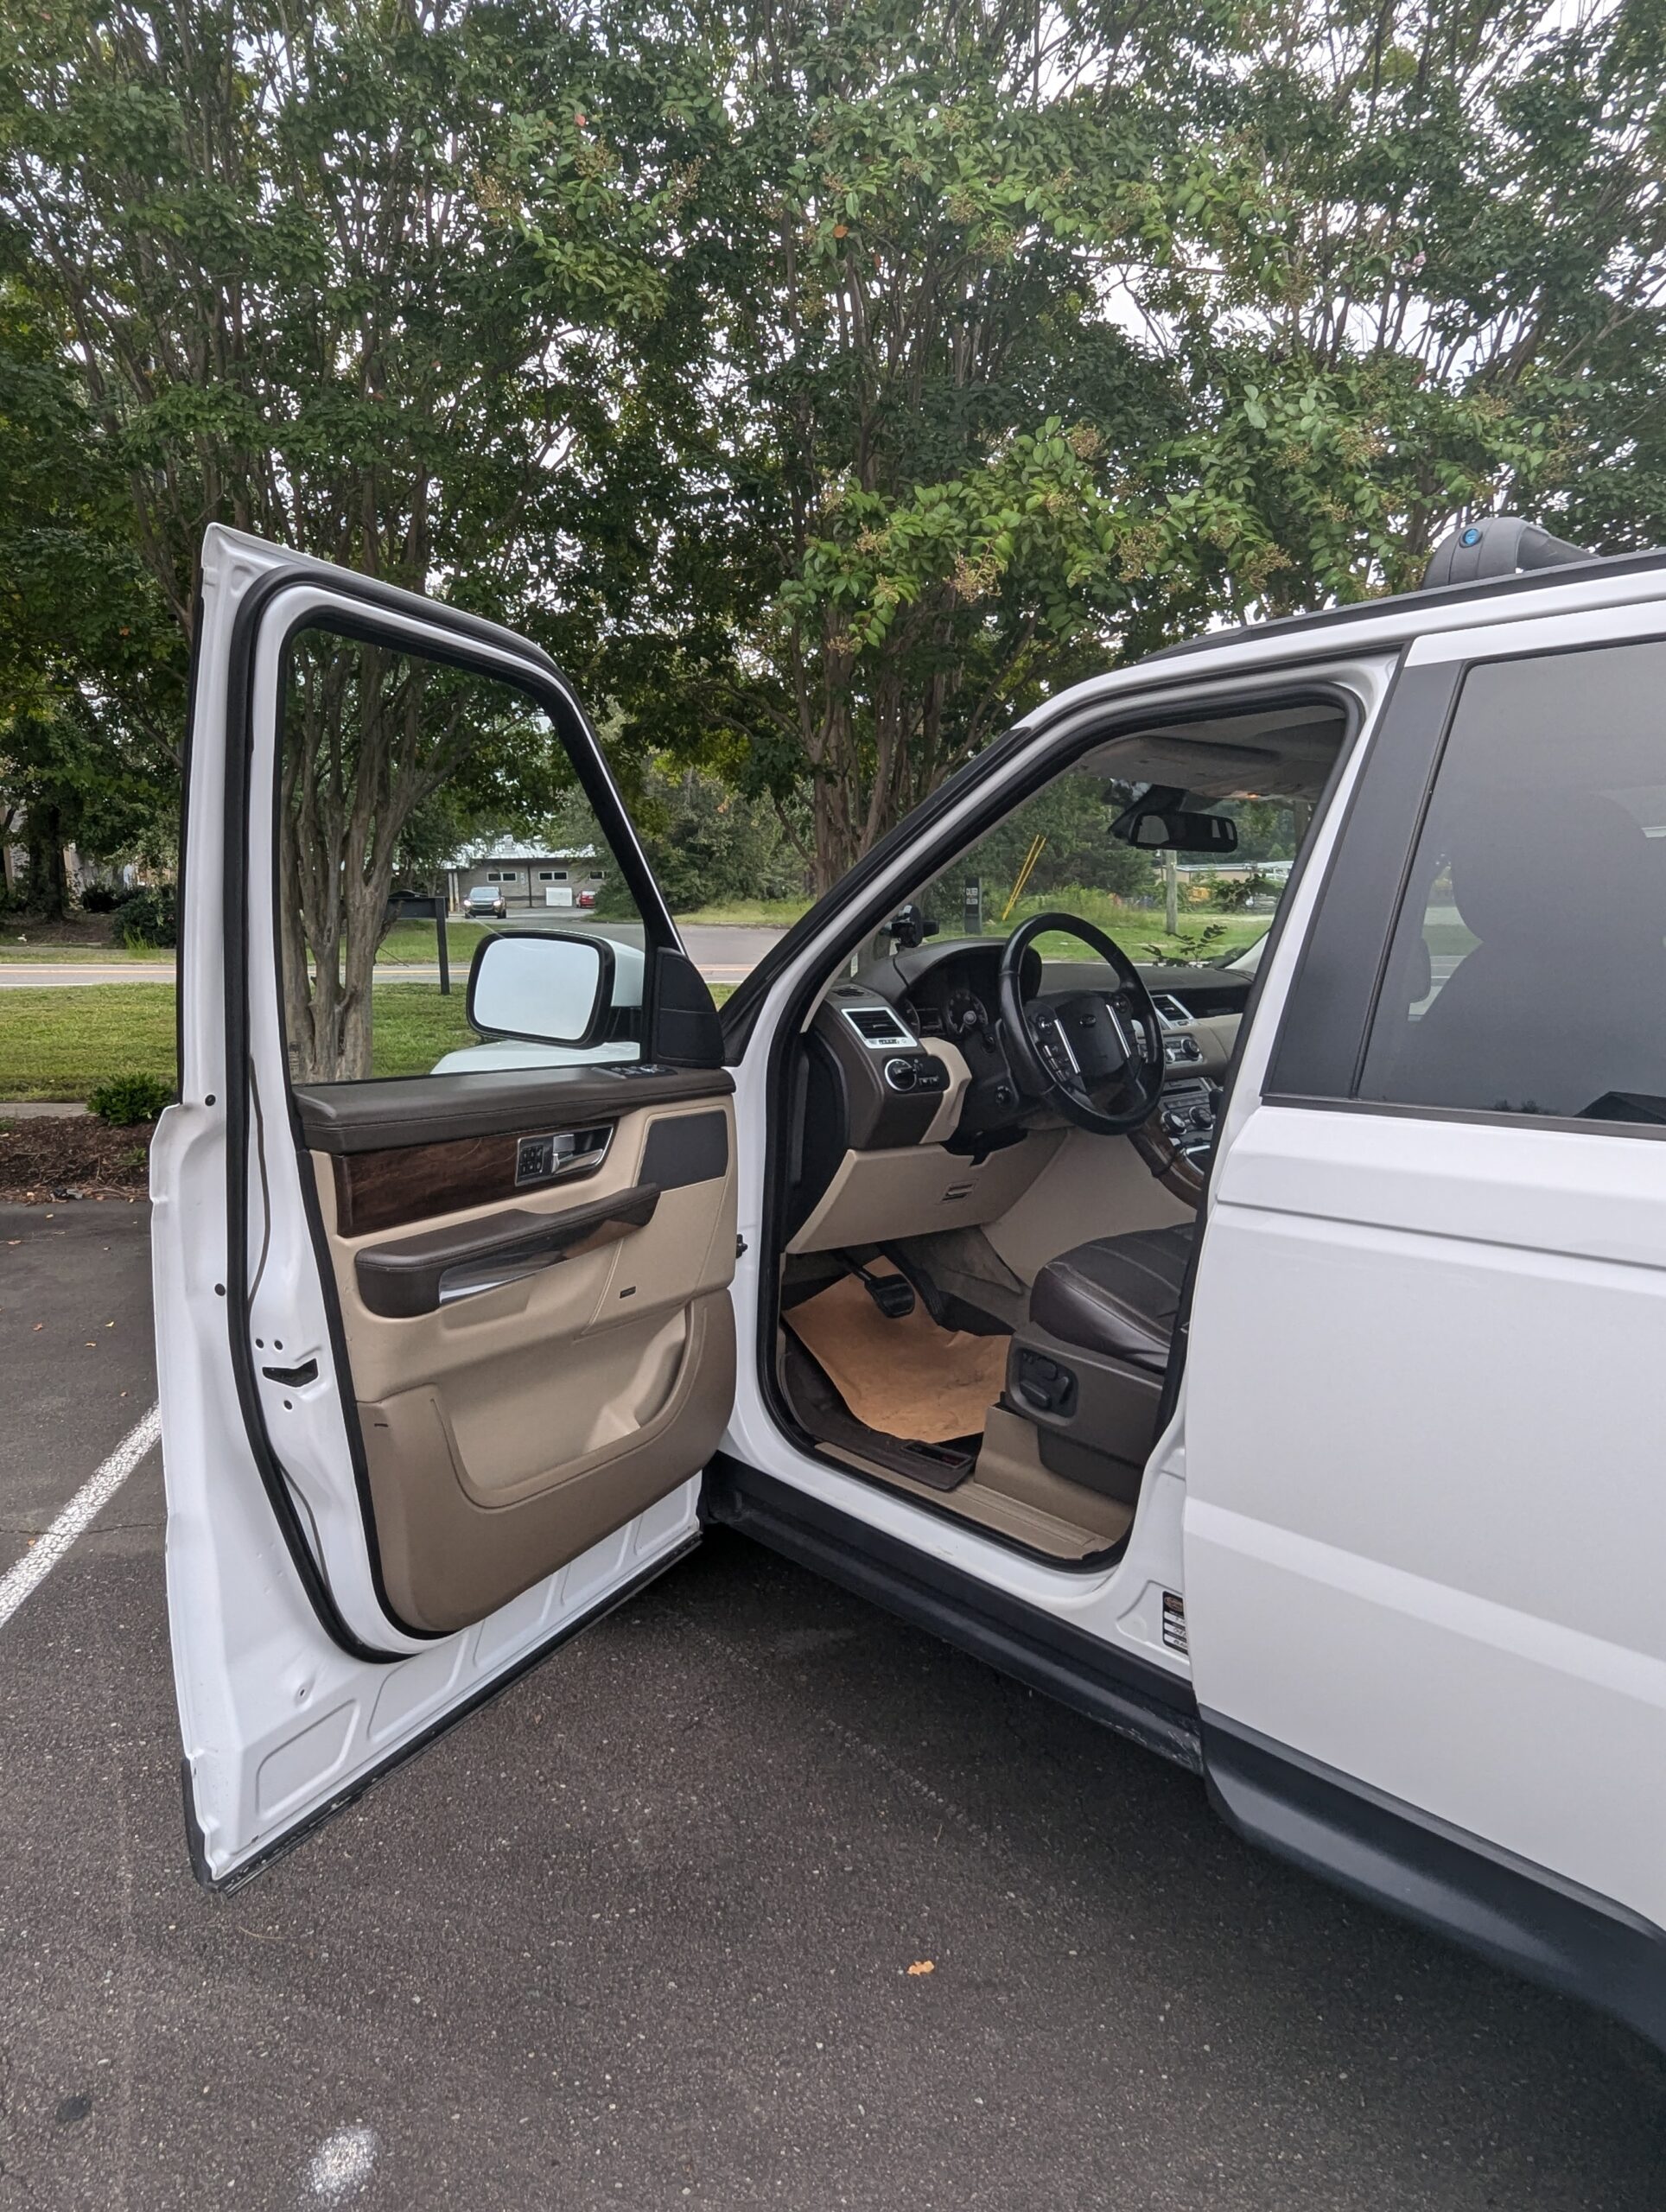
column 1553, row 869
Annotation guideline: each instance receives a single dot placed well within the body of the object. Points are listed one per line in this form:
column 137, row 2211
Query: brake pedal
column 892, row 1294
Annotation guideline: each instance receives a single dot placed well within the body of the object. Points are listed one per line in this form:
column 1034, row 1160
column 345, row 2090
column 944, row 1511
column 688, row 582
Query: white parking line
column 92, row 1496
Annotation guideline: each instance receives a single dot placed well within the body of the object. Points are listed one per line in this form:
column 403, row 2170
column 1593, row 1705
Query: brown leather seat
column 1120, row 1295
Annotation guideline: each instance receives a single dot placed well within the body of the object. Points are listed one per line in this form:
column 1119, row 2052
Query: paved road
column 638, row 1933
column 724, row 952
column 37, row 974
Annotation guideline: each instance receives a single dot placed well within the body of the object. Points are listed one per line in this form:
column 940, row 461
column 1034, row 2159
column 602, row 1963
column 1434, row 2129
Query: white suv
column 1265, row 1360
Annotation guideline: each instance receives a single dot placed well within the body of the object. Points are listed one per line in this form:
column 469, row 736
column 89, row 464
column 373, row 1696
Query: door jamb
column 1301, row 684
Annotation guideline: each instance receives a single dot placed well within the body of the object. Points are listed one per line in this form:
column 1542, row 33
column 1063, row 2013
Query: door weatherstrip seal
column 239, row 737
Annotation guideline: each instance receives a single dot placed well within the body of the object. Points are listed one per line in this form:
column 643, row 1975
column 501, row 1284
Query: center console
column 1187, row 1112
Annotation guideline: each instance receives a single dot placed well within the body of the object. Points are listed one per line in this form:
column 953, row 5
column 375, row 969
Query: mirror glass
column 1177, row 830
column 545, row 986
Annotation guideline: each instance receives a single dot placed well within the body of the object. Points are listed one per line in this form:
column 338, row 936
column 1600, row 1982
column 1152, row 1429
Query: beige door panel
column 447, row 1559
column 507, row 1431
column 506, row 1445
column 685, row 1239
column 686, row 1249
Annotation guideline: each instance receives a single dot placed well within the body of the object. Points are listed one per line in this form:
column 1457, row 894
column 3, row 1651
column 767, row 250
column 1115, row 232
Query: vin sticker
column 1174, row 1622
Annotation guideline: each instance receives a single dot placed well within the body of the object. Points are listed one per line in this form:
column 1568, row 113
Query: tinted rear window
column 1527, row 973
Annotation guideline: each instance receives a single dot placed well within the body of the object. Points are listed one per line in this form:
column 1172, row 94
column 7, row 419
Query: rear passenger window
column 1527, row 973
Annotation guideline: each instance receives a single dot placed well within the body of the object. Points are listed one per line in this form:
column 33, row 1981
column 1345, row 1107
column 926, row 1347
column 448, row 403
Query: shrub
column 98, row 899
column 1236, row 894
column 125, row 1100
column 149, row 921
column 1188, row 949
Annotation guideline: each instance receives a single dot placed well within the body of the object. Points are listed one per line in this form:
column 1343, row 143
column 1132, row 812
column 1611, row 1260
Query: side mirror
column 548, row 987
column 1159, row 823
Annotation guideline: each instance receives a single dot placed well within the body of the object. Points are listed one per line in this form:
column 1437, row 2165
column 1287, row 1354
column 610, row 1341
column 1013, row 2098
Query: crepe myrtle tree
column 281, row 257
column 379, row 746
column 1039, row 338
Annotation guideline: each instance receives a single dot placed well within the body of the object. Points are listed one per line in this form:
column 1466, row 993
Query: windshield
column 1247, row 962
column 1056, row 853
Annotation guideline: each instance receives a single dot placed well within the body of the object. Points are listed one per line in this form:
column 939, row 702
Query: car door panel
column 1423, row 1340
column 1436, row 1549
column 375, row 1518
column 506, row 1429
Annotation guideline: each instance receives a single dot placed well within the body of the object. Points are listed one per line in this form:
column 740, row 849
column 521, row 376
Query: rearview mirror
column 549, row 987
column 1159, row 823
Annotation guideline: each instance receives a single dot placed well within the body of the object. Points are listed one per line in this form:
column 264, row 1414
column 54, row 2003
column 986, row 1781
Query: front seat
column 1087, row 1366
column 1119, row 1295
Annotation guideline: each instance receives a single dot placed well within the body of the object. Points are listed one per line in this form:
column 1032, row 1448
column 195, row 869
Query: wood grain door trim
column 386, row 1190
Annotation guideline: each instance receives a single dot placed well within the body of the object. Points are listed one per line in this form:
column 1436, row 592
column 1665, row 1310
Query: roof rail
column 1496, row 545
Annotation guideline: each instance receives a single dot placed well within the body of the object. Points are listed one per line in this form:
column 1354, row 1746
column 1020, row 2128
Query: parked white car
column 1264, row 1363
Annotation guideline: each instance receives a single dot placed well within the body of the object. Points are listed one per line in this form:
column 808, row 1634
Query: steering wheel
column 1096, row 1055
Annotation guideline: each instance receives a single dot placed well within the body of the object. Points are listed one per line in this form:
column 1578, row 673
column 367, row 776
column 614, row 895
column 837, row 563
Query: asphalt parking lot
column 639, row 1933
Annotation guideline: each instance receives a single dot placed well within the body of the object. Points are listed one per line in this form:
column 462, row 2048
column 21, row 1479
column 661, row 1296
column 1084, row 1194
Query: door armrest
column 418, row 1274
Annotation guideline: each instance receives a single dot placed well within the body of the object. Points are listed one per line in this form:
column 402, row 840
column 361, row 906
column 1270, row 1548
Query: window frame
column 382, row 619
column 1337, row 990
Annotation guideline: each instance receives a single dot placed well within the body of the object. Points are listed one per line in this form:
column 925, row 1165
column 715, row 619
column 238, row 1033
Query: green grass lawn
column 60, row 1044
column 749, row 914
column 1146, row 940
column 411, row 944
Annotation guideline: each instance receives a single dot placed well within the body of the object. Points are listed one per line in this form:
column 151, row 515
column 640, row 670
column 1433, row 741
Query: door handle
column 408, row 1278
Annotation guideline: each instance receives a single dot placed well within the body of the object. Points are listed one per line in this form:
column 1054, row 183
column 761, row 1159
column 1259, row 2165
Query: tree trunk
column 48, row 879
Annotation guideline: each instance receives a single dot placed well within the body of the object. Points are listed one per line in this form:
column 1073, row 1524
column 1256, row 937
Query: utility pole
column 1171, row 894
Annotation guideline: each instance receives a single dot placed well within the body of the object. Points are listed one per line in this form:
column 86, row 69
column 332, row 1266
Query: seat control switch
column 1044, row 1385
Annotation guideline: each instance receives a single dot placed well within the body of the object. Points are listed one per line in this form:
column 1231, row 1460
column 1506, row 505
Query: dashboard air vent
column 877, row 1025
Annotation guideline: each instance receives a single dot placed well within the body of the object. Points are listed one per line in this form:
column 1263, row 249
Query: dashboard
column 908, row 1053
column 950, row 990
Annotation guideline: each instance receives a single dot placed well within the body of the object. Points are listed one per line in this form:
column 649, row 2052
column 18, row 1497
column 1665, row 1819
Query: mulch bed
column 92, row 932
column 71, row 1156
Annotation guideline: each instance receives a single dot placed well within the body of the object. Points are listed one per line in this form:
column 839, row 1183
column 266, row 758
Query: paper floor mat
column 907, row 1378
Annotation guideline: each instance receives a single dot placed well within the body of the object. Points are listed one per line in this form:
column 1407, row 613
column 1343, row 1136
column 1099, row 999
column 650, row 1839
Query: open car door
column 443, row 1328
